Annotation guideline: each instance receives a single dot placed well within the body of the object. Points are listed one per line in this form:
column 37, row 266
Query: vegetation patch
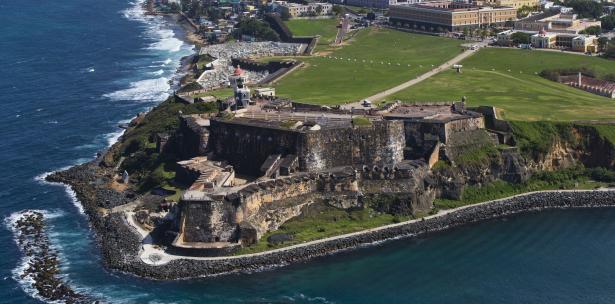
column 361, row 121
column 144, row 164
column 536, row 138
column 318, row 221
column 477, row 156
column 574, row 178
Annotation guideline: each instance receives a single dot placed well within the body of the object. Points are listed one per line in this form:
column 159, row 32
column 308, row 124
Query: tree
column 608, row 22
column 586, row 8
column 338, row 10
column 610, row 50
column 509, row 23
column 520, row 38
column 174, row 7
column 318, row 10
column 602, row 43
column 592, row 30
column 285, row 15
column 256, row 28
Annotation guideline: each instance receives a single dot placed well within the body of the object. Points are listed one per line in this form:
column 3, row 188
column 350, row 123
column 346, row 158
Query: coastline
column 121, row 245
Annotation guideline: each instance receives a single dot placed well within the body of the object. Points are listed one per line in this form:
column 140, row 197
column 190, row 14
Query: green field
column 507, row 79
column 374, row 60
column 312, row 27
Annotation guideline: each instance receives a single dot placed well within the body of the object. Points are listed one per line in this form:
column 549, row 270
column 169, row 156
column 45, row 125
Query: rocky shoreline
column 42, row 268
column 120, row 244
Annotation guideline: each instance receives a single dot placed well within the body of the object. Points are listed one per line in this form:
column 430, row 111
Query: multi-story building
column 447, row 15
column 544, row 40
column 310, row 9
column 513, row 3
column 574, row 42
column 558, row 23
column 381, row 4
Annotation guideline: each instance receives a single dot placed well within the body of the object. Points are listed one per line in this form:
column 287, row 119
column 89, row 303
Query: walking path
column 447, row 65
column 153, row 255
column 341, row 32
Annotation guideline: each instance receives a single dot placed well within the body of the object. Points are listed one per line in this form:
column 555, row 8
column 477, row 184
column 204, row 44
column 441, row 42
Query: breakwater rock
column 41, row 268
column 120, row 244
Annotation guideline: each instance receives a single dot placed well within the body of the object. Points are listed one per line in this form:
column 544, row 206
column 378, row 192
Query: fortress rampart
column 247, row 145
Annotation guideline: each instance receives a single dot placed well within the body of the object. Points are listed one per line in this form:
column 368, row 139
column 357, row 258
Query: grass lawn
column 323, row 223
column 500, row 189
column 362, row 68
column 312, row 27
column 507, row 79
column 218, row 93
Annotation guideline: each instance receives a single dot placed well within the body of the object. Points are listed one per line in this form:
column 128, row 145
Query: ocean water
column 71, row 71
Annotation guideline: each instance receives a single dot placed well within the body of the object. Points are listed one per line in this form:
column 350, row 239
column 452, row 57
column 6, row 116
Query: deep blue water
column 71, row 70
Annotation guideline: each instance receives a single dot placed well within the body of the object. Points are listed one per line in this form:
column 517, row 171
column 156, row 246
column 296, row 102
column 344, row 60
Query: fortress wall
column 280, row 190
column 192, row 138
column 462, row 125
column 420, row 136
column 382, row 144
column 247, row 146
column 210, row 221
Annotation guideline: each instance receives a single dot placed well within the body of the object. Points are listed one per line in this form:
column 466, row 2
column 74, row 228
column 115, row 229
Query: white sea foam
column 69, row 191
column 167, row 41
column 144, row 90
column 18, row 274
column 158, row 73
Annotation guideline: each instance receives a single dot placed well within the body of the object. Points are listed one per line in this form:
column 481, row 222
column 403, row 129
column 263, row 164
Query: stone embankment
column 42, row 268
column 120, row 245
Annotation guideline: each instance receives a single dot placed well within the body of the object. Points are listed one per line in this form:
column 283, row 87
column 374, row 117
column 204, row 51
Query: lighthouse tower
column 241, row 91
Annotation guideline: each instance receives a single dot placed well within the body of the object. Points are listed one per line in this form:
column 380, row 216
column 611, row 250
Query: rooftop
column 439, row 112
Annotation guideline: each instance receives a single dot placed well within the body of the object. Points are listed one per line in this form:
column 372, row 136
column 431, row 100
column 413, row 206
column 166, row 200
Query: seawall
column 199, row 267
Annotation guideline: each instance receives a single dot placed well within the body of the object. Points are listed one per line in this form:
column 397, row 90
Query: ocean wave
column 302, row 298
column 166, row 40
column 22, row 272
column 158, row 73
column 113, row 137
column 41, row 178
column 156, row 89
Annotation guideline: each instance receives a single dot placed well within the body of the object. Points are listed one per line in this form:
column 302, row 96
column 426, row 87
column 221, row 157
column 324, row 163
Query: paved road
column 447, row 65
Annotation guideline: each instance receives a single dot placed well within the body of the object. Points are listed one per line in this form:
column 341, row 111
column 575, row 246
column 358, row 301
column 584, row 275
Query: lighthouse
column 241, row 92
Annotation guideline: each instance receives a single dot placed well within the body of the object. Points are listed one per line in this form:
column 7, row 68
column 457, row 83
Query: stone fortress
column 256, row 165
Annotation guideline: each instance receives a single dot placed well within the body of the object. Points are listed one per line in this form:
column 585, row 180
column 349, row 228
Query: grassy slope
column 326, row 223
column 335, row 81
column 311, row 27
column 521, row 93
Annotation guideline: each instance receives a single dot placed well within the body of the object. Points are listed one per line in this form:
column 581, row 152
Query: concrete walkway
column 341, row 32
column 445, row 66
column 152, row 255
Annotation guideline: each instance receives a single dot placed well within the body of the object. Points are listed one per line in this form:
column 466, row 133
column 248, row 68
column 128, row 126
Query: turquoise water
column 73, row 70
